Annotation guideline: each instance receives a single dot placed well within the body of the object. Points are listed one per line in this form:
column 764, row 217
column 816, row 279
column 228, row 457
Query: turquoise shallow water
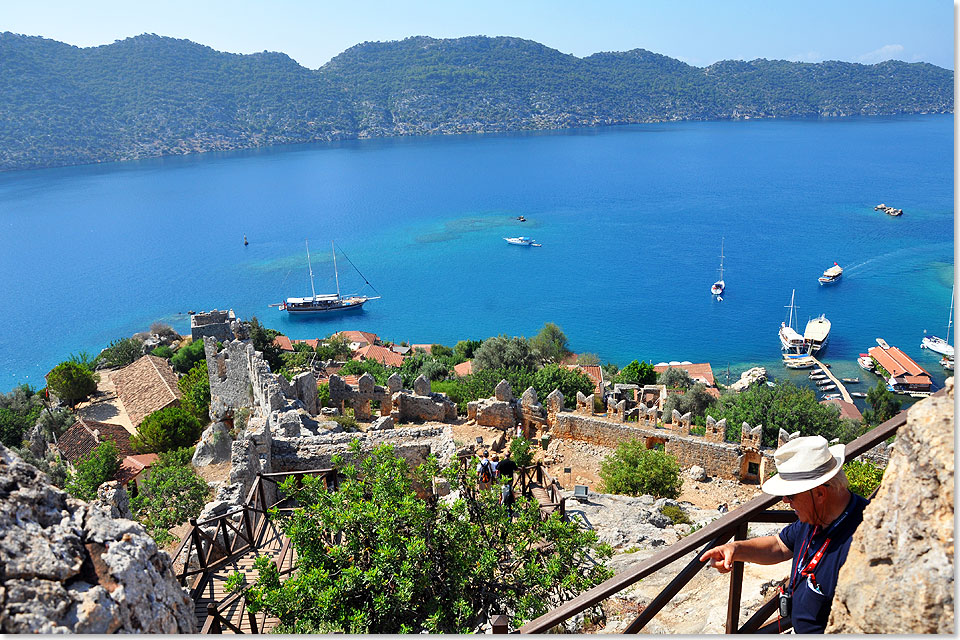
column 630, row 219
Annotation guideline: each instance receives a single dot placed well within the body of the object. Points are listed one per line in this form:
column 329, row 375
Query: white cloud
column 886, row 52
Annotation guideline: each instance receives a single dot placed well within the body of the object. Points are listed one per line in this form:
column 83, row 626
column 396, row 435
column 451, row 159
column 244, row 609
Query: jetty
column 842, row 389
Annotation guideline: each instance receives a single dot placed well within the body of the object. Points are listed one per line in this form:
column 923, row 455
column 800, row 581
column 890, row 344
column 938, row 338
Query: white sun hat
column 802, row 464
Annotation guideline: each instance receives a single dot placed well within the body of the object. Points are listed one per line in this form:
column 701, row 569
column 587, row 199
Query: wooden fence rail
column 733, row 524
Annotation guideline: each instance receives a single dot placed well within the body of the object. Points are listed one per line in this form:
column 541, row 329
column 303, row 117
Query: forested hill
column 150, row 96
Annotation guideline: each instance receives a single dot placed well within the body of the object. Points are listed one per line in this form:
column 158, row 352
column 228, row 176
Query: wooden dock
column 842, row 389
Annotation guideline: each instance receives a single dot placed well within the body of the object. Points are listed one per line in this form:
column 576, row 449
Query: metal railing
column 732, row 525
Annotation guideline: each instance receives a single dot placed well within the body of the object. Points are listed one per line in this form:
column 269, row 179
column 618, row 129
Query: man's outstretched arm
column 764, row 550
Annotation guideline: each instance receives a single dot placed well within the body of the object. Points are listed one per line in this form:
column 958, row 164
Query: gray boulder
column 697, row 473
column 214, row 446
column 382, row 424
column 112, row 497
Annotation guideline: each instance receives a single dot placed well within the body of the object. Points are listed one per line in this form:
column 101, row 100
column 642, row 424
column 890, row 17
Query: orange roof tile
column 380, row 354
column 147, row 385
column 592, row 371
column 312, row 343
column 425, row 347
column 847, row 409
column 83, row 437
column 464, row 368
column 697, row 370
column 896, row 362
column 132, row 466
column 362, row 337
column 283, row 342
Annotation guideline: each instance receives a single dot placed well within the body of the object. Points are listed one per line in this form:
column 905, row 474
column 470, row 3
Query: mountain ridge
column 150, row 95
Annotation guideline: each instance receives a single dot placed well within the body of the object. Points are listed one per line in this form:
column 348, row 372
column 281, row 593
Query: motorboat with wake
column 522, row 241
column 325, row 302
column 831, row 275
column 718, row 286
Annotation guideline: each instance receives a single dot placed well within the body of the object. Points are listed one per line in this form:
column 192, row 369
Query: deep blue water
column 630, row 219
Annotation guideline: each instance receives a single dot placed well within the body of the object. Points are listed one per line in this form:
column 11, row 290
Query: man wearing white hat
column 811, row 480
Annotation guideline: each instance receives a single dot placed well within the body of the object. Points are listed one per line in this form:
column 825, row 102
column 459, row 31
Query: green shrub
column 165, row 430
column 120, row 353
column 378, row 370
column 636, row 372
column 195, row 392
column 171, row 494
column 349, row 423
column 323, row 395
column 99, row 466
column 187, row 357
column 163, row 351
column 83, row 359
column 634, row 470
column 676, row 514
column 72, row 382
column 864, row 477
column 520, row 452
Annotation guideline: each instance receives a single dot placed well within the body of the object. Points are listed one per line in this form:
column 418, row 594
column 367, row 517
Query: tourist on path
column 505, row 470
column 811, row 480
column 485, row 471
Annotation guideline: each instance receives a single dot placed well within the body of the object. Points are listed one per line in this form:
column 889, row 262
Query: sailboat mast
column 335, row 274
column 310, row 267
column 721, row 258
column 790, row 321
column 950, row 320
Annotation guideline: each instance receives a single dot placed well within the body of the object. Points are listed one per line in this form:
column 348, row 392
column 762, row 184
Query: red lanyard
column 812, row 565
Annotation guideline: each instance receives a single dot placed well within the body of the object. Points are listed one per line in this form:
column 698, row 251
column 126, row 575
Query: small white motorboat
column 831, row 275
column 522, row 241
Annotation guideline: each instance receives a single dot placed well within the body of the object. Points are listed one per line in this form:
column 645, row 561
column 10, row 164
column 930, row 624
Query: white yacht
column 940, row 345
column 831, row 275
column 816, row 334
column 325, row 302
column 718, row 286
column 790, row 340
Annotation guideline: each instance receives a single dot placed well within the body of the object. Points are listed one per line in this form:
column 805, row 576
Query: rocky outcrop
column 899, row 577
column 68, row 567
column 748, row 378
column 112, row 497
column 214, row 446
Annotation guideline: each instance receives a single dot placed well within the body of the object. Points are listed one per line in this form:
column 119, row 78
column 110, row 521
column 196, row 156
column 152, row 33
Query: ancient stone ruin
column 505, row 412
column 401, row 405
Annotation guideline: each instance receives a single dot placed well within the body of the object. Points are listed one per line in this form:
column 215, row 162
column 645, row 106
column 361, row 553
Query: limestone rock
column 382, row 423
column 503, row 391
column 305, row 387
column 697, row 473
column 899, row 575
column 214, row 446
column 244, row 466
column 330, row 412
column 112, row 497
column 500, row 442
column 749, row 377
column 394, row 383
column 421, row 386
column 69, row 567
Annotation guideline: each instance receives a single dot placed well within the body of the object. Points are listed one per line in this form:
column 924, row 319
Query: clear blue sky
column 699, row 32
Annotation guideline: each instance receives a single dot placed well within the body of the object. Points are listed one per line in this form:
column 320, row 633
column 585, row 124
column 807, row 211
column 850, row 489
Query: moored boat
column 798, row 361
column 946, row 363
column 816, row 334
column 790, row 340
column 827, row 387
column 866, row 362
column 858, row 394
column 939, row 345
column 830, row 396
column 851, row 380
column 325, row 302
column 831, row 275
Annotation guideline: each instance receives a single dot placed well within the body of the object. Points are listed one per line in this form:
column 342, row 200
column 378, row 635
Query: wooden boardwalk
column 843, row 390
column 211, row 588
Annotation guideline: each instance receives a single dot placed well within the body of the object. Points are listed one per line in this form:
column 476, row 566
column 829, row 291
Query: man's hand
column 721, row 557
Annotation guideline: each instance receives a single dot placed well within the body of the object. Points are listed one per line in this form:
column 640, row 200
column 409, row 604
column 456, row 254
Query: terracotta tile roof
column 847, row 409
column 363, row 337
column 380, row 354
column 464, row 368
column 701, row 370
column 83, row 437
column 283, row 342
column 311, row 343
column 145, row 386
column 896, row 362
column 592, row 371
column 132, row 466
column 425, row 347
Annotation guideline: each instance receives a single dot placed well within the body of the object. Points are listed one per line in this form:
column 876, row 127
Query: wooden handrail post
column 247, row 525
column 214, row 615
column 261, row 495
column 500, row 624
column 736, row 585
column 197, row 542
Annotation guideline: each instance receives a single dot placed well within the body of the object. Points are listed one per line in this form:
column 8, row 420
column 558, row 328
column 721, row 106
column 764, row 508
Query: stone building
column 220, row 325
column 145, row 386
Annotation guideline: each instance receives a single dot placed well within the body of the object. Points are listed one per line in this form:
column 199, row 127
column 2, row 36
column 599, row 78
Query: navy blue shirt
column 812, row 598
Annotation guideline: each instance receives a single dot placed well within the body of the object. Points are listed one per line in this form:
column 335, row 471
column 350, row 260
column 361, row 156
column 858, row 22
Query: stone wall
column 402, row 405
column 505, row 412
column 720, row 459
column 219, row 325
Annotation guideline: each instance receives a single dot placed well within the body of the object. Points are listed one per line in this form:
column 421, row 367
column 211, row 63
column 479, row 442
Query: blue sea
column 630, row 220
